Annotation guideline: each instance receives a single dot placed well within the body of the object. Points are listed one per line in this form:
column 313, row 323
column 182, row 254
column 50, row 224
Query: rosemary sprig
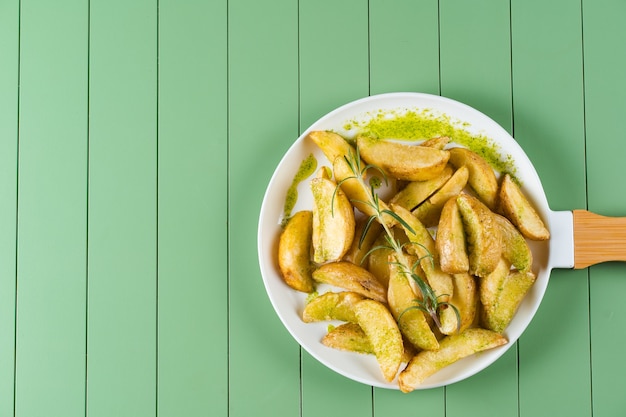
column 427, row 301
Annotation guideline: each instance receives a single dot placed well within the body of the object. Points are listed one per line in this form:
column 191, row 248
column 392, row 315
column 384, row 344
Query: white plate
column 289, row 303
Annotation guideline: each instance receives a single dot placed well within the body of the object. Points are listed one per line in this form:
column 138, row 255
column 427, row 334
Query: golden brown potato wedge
column 294, row 252
column 452, row 348
column 450, row 240
column 514, row 246
column 483, row 235
column 417, row 192
column 331, row 306
column 516, row 207
column 437, row 143
column 384, row 335
column 498, row 315
column 378, row 260
column 489, row 286
column 350, row 337
column 482, row 178
column 362, row 242
column 331, row 144
column 430, row 210
column 401, row 160
column 358, row 193
column 465, row 299
column 351, row 277
column 423, row 246
column 333, row 221
column 401, row 298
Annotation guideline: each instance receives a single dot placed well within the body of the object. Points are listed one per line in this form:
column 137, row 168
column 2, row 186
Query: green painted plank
column 333, row 71
column 264, row 360
column 192, row 286
column 333, row 56
column 52, row 196
column 391, row 403
column 9, row 45
column 476, row 69
column 404, row 56
column 404, row 46
column 327, row 393
column 548, row 103
column 476, row 56
column 605, row 92
column 122, row 280
column 548, row 100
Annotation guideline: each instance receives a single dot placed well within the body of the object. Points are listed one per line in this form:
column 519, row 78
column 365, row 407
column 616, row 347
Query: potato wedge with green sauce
column 515, row 249
column 450, row 242
column 430, row 210
column 482, row 178
column 412, row 322
column 483, row 235
column 516, row 207
column 401, row 160
column 294, row 252
column 350, row 337
column 384, row 335
column 331, row 306
column 498, row 314
column 351, row 277
column 333, row 221
column 452, row 348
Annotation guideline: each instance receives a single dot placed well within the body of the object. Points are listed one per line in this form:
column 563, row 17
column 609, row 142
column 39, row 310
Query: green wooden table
column 137, row 139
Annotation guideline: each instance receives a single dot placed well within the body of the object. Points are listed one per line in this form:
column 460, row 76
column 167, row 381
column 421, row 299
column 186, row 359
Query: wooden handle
column 598, row 239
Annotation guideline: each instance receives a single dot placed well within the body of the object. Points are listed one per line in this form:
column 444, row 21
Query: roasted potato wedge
column 384, row 335
column 333, row 221
column 450, row 242
column 423, row 246
column 331, row 306
column 514, row 246
column 363, row 241
column 417, row 192
column 490, row 285
column 452, row 348
column 378, row 260
column 401, row 160
column 351, row 277
column 516, row 207
column 498, row 314
column 482, row 178
column 358, row 193
column 430, row 210
column 294, row 252
column 439, row 142
column 465, row 299
column 331, row 144
column 483, row 235
column 401, row 298
column 350, row 337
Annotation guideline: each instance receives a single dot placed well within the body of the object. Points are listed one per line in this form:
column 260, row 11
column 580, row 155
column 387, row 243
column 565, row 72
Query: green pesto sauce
column 307, row 167
column 418, row 125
